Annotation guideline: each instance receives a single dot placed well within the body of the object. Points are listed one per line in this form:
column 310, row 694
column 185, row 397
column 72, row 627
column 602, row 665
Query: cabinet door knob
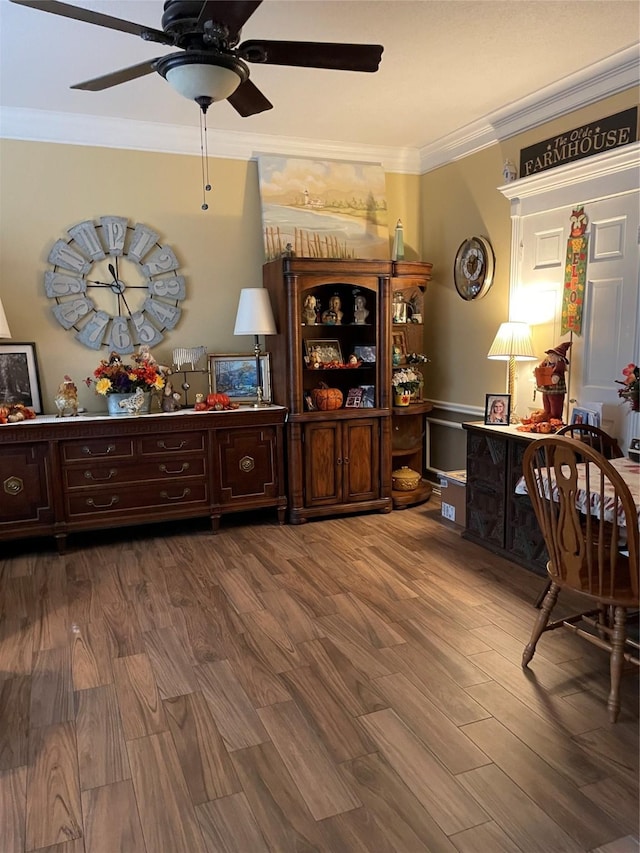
column 346, row 460
column 339, row 461
column 246, row 464
column 13, row 485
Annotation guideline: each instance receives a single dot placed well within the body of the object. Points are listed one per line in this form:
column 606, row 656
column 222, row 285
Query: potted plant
column 115, row 380
column 405, row 382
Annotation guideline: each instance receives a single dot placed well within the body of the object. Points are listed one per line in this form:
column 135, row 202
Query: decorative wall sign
column 575, row 273
column 323, row 208
column 585, row 141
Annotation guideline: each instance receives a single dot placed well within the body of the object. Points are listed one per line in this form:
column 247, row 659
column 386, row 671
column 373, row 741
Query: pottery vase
column 402, row 398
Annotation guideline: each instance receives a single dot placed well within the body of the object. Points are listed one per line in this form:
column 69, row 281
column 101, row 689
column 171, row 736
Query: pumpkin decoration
column 218, row 401
column 326, row 399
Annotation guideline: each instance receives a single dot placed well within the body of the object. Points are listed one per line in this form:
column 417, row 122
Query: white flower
column 405, row 378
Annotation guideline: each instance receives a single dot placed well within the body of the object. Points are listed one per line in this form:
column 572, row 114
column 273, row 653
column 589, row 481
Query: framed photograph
column 354, row 398
column 497, row 409
column 368, row 400
column 366, row 354
column 325, row 348
column 19, row 379
column 235, row 375
column 399, row 341
column 585, row 416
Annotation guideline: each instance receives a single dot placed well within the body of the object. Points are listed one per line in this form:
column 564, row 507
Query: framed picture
column 585, row 416
column 354, row 398
column 235, row 375
column 325, row 348
column 19, row 379
column 366, row 354
column 368, row 400
column 399, row 341
column 497, row 409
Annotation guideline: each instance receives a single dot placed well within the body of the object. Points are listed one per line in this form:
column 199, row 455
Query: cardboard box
column 453, row 488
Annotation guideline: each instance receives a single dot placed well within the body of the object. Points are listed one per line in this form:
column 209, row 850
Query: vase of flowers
column 116, row 381
column 631, row 386
column 405, row 382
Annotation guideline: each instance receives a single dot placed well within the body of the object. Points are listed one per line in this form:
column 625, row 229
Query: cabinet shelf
column 419, row 495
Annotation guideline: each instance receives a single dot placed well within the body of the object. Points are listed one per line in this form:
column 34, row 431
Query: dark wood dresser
column 498, row 518
column 62, row 475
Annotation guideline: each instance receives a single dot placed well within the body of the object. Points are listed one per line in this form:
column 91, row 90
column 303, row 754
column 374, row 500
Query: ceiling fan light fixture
column 203, row 75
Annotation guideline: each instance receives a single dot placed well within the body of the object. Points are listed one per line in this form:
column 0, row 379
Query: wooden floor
column 341, row 686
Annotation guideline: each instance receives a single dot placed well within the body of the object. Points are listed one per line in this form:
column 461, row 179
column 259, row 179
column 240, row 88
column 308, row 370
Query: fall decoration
column 325, row 399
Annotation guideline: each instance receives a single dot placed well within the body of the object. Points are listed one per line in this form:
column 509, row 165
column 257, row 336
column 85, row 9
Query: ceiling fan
column 212, row 65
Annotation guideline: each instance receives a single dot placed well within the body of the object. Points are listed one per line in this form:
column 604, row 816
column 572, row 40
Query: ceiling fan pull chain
column 204, row 104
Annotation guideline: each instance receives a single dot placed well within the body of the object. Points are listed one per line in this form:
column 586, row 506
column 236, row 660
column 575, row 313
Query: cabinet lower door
column 26, row 500
column 361, row 460
column 323, row 463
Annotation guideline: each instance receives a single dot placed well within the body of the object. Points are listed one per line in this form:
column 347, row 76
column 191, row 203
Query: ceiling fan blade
column 90, row 17
column 313, row 54
column 234, row 14
column 117, row 77
column 249, row 100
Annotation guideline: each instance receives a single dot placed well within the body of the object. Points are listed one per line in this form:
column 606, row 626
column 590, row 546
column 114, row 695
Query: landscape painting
column 323, row 208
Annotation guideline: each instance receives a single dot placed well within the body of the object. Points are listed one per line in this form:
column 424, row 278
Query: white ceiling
column 446, row 64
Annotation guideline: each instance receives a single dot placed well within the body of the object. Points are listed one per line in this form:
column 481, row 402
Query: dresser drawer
column 99, row 474
column 164, row 497
column 97, row 448
column 173, row 442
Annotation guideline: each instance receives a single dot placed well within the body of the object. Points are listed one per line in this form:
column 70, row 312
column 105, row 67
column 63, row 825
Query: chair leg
column 538, row 602
column 616, row 662
column 541, row 622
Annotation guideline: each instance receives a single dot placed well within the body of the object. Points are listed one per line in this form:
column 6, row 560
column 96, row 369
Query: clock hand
column 118, row 287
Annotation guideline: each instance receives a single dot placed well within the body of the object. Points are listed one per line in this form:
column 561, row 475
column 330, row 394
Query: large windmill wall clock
column 114, row 284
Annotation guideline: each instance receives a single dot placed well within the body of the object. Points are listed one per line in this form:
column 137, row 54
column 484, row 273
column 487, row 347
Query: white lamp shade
column 209, row 81
column 513, row 340
column 4, row 326
column 254, row 316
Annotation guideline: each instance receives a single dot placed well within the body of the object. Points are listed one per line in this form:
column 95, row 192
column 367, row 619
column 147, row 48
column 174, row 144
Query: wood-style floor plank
column 228, row 826
column 15, row 694
column 54, row 812
column 51, row 688
column 167, row 814
column 102, row 754
column 170, row 663
column 13, row 808
column 112, row 823
column 138, row 697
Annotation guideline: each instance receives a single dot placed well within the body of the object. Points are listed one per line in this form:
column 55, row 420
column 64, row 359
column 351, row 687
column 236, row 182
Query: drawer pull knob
column 89, row 475
column 13, row 485
column 246, row 464
column 168, row 497
column 184, row 467
column 164, row 446
column 91, row 502
column 110, row 449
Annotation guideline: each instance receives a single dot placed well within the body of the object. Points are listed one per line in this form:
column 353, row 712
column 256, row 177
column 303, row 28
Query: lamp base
column 259, row 403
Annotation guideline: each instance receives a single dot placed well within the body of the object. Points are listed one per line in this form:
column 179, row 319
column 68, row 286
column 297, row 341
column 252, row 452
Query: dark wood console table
column 498, row 518
column 59, row 475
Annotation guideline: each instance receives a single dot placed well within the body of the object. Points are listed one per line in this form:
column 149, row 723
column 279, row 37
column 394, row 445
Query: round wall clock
column 473, row 268
column 114, row 284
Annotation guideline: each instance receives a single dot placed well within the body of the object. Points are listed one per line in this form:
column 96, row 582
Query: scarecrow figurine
column 550, row 380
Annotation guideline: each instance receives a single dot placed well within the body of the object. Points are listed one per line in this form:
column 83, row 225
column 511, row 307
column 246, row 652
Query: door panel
column 361, row 470
column 323, row 463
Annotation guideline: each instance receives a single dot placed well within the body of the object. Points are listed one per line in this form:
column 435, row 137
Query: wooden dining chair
column 592, row 544
column 594, row 437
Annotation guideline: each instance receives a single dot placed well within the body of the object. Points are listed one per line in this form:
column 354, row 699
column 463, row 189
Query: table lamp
column 512, row 343
column 255, row 317
column 4, row 326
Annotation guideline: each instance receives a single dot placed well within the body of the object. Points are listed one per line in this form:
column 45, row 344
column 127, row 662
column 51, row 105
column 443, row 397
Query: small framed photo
column 585, row 416
column 368, row 400
column 366, row 354
column 399, row 341
column 354, row 398
column 497, row 409
column 19, row 379
column 235, row 376
column 326, row 349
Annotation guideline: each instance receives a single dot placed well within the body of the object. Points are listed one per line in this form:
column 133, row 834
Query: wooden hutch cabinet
column 339, row 461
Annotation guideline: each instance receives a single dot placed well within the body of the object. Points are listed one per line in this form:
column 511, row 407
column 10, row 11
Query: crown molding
column 600, row 80
column 614, row 74
column 106, row 132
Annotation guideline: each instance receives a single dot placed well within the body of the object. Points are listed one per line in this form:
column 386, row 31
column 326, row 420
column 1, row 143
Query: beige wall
column 46, row 188
column 459, row 200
